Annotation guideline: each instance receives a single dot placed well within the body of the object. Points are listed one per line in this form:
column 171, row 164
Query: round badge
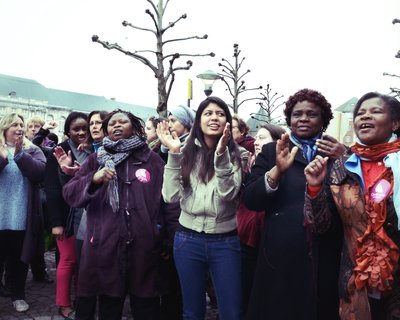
column 143, row 175
column 380, row 191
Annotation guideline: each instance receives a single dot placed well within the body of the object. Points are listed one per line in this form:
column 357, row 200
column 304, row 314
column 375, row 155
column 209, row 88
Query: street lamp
column 208, row 77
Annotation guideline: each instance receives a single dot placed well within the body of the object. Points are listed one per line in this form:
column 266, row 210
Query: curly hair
column 136, row 122
column 311, row 96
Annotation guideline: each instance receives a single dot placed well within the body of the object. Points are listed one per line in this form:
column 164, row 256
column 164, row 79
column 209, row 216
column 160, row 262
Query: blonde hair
column 6, row 122
column 35, row 119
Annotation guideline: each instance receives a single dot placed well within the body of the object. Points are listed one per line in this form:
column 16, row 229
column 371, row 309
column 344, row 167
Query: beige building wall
column 341, row 127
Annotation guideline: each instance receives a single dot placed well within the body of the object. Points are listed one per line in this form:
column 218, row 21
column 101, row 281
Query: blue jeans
column 195, row 254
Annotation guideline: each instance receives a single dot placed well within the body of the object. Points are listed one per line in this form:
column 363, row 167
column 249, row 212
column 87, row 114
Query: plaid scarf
column 110, row 155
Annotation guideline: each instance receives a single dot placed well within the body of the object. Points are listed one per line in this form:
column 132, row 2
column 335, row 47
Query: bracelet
column 272, row 182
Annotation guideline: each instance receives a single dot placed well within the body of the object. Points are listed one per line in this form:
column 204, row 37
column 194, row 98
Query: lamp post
column 208, row 77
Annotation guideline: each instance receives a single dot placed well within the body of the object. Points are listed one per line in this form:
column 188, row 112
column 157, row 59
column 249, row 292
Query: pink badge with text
column 380, row 190
column 143, row 175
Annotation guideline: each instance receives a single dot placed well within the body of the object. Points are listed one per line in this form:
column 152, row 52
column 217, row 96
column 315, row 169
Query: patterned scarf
column 307, row 145
column 377, row 255
column 110, row 155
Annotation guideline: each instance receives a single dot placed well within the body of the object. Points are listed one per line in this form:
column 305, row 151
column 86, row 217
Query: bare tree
column 269, row 106
column 237, row 85
column 165, row 74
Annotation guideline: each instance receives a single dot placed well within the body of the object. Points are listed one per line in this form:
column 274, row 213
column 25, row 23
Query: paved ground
column 41, row 299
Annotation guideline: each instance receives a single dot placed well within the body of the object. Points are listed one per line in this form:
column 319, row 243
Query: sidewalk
column 41, row 299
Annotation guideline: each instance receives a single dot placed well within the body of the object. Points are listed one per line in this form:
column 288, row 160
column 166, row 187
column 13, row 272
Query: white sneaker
column 20, row 305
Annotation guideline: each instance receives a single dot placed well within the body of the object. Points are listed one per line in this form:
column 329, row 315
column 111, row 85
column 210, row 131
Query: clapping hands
column 170, row 141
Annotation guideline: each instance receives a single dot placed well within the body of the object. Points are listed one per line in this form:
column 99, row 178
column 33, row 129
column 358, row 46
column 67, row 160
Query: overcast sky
column 340, row 48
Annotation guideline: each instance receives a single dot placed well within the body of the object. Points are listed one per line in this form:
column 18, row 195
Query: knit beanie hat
column 184, row 115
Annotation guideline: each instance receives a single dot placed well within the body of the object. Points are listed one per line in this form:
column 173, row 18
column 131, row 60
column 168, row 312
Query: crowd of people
column 288, row 224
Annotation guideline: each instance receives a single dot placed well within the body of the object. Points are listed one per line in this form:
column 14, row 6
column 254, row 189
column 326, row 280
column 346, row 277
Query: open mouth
column 303, row 128
column 366, row 126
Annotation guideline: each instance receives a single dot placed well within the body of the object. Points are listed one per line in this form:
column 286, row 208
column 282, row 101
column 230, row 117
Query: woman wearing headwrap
column 128, row 224
column 180, row 121
column 363, row 189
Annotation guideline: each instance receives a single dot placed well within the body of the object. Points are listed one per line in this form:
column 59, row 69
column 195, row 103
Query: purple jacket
column 121, row 250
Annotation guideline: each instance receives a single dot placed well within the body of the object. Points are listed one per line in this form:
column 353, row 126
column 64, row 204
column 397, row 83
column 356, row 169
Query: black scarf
column 110, row 155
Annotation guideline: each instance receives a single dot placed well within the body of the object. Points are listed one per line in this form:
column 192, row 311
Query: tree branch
column 128, row 24
column 248, row 99
column 248, row 71
column 188, row 38
column 229, row 87
column 172, row 24
column 391, row 75
column 170, row 85
column 211, row 54
column 117, row 47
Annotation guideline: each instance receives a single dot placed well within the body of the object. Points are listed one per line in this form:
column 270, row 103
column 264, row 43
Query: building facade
column 29, row 98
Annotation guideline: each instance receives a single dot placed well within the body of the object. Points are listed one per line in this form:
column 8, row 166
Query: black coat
column 296, row 274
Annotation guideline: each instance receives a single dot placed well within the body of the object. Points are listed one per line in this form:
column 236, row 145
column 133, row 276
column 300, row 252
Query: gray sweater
column 211, row 207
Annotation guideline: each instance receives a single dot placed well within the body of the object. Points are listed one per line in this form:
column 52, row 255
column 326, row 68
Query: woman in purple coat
column 128, row 224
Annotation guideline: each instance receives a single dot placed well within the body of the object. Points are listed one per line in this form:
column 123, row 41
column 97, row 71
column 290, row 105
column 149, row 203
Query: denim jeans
column 195, row 254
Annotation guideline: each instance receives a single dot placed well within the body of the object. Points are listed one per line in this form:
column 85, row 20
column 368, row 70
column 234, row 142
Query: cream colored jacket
column 208, row 207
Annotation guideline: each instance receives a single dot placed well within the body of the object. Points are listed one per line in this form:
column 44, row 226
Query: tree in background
column 236, row 86
column 269, row 106
column 164, row 68
column 394, row 91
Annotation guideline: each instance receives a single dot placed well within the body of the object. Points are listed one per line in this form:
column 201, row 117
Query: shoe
column 69, row 316
column 45, row 279
column 4, row 291
column 20, row 305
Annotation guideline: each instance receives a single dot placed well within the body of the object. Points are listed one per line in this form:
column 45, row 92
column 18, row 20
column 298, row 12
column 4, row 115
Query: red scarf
column 377, row 255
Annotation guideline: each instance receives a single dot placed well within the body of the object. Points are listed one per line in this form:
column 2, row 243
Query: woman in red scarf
column 363, row 189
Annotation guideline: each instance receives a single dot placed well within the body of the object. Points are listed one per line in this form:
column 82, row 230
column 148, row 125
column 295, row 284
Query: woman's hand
column 65, row 162
column 4, row 151
column 50, row 125
column 251, row 161
column 223, row 141
column 316, row 170
column 103, row 175
column 170, row 141
column 330, row 146
column 58, row 232
column 284, row 157
column 63, row 159
column 18, row 144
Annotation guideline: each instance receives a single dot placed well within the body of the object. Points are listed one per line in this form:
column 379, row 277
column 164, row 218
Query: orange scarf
column 377, row 255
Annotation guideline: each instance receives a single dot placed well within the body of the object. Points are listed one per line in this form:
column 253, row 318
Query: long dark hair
column 202, row 157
